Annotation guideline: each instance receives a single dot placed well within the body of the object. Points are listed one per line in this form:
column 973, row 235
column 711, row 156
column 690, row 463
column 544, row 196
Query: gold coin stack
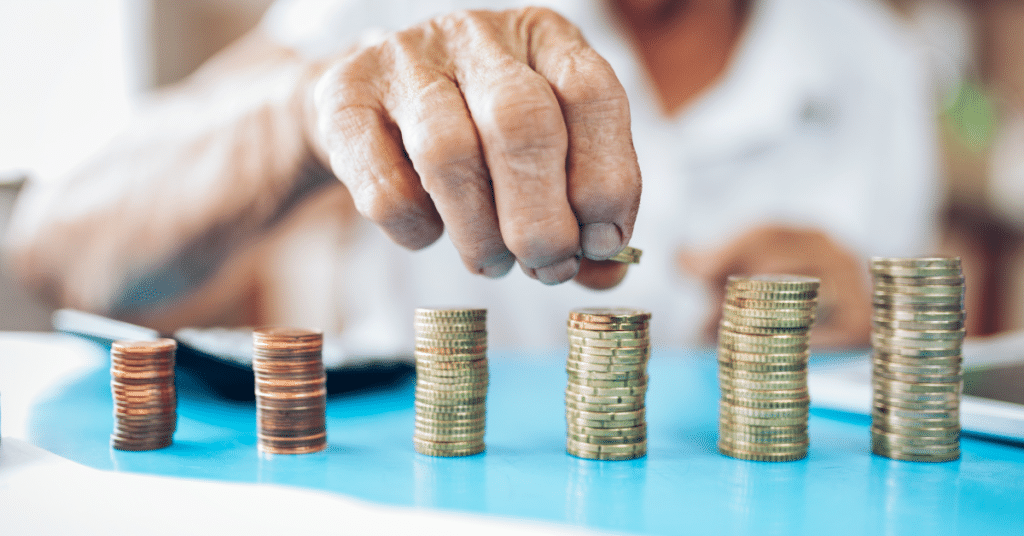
column 145, row 402
column 451, row 381
column 762, row 367
column 291, row 390
column 604, row 398
column 917, row 335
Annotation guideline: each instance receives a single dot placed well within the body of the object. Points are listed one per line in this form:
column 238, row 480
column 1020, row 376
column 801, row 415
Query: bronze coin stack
column 451, row 381
column 605, row 395
column 917, row 336
column 145, row 402
column 291, row 390
column 762, row 367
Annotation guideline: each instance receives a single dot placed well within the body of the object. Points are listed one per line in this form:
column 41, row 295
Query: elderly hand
column 506, row 128
column 844, row 299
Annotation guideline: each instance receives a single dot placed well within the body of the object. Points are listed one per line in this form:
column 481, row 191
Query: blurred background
column 72, row 70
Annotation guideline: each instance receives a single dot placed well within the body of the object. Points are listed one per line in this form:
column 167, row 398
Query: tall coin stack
column 604, row 397
column 145, row 402
column 451, row 381
column 291, row 390
column 762, row 367
column 917, row 335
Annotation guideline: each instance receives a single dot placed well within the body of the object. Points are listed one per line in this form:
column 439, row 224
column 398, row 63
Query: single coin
column 892, row 348
column 628, row 255
column 894, row 386
column 766, row 358
column 596, row 399
column 583, row 406
column 442, row 313
column 594, row 423
column 728, row 325
column 906, row 457
column 621, row 448
column 585, row 357
column 773, row 282
column 774, row 294
column 726, row 364
column 803, row 323
column 587, row 366
column 733, row 312
column 449, row 325
column 918, row 281
column 641, row 325
column 727, row 450
column 635, row 390
column 605, row 456
column 622, row 431
column 585, row 382
column 586, row 375
column 630, row 416
column 587, row 352
column 608, row 314
column 915, row 262
column 765, row 404
column 890, row 442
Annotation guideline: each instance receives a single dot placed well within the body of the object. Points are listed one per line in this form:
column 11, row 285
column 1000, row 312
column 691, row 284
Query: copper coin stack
column 917, row 335
column 145, row 402
column 291, row 390
column 605, row 394
column 451, row 381
column 762, row 367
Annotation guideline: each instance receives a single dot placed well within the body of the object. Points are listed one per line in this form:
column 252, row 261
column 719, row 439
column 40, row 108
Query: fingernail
column 499, row 268
column 600, row 240
column 558, row 273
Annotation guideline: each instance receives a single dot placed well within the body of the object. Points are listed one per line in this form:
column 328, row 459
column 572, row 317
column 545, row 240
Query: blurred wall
column 184, row 34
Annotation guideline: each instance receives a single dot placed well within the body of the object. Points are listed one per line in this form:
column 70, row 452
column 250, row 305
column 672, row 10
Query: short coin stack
column 917, row 334
column 762, row 367
column 291, row 390
column 145, row 402
column 451, row 381
column 604, row 397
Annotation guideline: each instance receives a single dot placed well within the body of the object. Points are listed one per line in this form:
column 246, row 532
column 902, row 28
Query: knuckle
column 594, row 89
column 346, row 80
column 531, row 18
column 526, row 122
column 454, row 154
column 541, row 241
column 385, row 205
column 483, row 252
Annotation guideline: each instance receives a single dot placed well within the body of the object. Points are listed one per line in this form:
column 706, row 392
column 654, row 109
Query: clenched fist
column 506, row 128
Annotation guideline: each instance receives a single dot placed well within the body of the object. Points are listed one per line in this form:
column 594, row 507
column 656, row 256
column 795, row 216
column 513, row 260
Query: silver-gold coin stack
column 291, row 390
column 451, row 381
column 917, row 335
column 762, row 366
column 145, row 401
column 605, row 394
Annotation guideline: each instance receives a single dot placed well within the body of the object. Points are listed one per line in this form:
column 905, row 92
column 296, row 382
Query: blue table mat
column 683, row 485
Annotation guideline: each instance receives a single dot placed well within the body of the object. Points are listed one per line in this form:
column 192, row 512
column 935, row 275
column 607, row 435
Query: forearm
column 208, row 166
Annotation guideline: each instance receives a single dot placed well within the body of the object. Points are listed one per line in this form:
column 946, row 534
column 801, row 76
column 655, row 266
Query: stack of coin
column 604, row 398
column 451, row 381
column 145, row 403
column 917, row 334
column 762, row 366
column 291, row 390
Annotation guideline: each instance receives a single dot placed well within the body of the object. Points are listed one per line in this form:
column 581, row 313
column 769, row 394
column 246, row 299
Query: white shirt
column 822, row 119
